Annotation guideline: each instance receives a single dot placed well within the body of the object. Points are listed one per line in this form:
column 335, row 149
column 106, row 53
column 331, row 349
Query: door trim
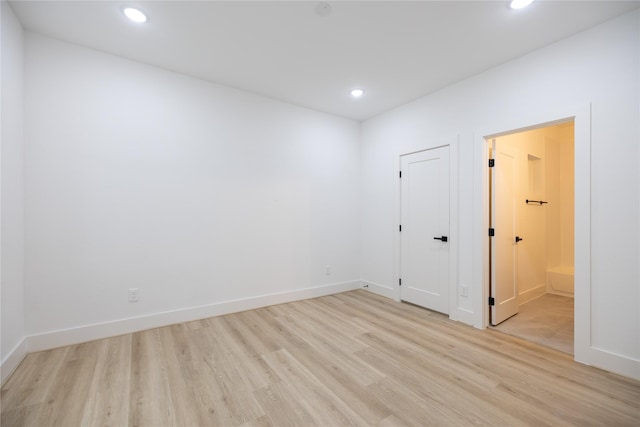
column 581, row 115
column 453, row 143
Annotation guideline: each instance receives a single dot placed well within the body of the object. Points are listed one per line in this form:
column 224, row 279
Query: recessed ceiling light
column 323, row 9
column 519, row 4
column 135, row 15
column 357, row 93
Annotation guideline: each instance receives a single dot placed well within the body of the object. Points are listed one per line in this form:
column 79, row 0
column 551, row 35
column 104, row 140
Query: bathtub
column 560, row 280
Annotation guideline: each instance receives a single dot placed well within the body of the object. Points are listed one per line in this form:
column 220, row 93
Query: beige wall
column 567, row 186
column 560, row 189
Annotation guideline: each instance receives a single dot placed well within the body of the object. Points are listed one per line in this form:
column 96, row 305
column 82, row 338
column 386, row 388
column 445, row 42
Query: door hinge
column 400, row 174
column 492, row 232
column 399, row 282
column 492, row 162
column 492, row 301
column 400, row 228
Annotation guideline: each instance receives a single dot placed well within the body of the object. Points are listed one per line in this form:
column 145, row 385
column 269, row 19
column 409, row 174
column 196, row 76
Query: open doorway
column 531, row 211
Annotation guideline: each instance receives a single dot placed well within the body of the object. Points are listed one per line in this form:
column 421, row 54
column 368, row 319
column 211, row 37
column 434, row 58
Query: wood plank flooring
column 352, row 359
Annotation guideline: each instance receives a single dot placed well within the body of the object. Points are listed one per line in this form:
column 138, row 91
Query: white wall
column 600, row 67
column 197, row 194
column 12, row 347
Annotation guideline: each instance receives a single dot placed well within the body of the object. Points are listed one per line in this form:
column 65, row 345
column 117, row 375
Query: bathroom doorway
column 531, row 191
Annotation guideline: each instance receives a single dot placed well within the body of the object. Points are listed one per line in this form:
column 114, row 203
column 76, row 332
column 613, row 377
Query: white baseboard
column 531, row 294
column 93, row 332
column 376, row 288
column 465, row 316
column 562, row 294
column 596, row 357
column 459, row 314
column 612, row 362
column 12, row 360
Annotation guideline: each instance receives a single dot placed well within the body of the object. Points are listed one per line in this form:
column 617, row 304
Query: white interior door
column 503, row 244
column 424, row 247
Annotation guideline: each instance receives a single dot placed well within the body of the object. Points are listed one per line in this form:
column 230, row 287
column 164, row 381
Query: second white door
column 424, row 234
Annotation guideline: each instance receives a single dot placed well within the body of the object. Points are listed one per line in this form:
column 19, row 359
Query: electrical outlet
column 464, row 290
column 327, row 270
column 134, row 295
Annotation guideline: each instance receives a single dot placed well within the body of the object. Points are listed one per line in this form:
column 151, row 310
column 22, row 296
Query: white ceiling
column 396, row 51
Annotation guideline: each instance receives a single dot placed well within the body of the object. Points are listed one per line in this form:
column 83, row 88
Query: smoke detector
column 323, row 9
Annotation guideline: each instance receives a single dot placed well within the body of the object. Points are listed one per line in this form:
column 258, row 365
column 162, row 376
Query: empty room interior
column 237, row 213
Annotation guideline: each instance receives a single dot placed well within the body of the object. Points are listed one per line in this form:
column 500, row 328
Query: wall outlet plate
column 464, row 290
column 134, row 295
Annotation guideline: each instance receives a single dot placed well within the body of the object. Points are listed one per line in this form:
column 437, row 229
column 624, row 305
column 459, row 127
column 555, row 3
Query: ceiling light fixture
column 357, row 93
column 323, row 9
column 135, row 15
column 520, row 4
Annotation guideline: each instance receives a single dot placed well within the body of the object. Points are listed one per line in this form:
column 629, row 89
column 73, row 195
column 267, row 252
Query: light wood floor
column 547, row 320
column 348, row 359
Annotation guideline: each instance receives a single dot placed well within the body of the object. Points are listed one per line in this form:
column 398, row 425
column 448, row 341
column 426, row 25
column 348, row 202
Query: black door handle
column 443, row 238
column 518, row 238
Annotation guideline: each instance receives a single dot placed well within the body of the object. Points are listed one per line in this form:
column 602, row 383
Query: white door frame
column 581, row 115
column 452, row 142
